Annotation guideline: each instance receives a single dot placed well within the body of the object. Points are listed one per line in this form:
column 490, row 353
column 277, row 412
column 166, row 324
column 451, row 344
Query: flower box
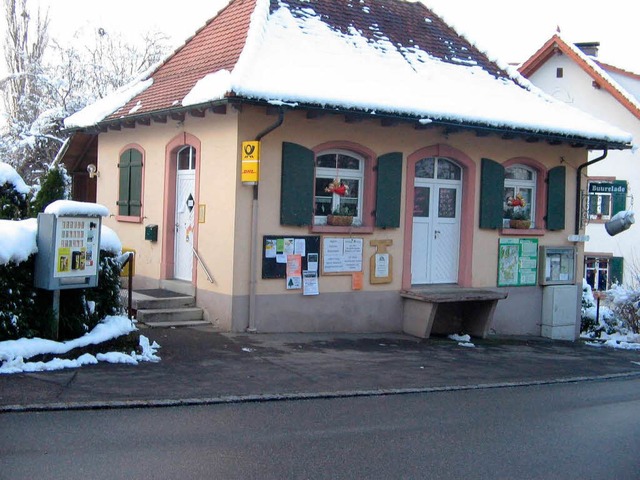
column 520, row 224
column 339, row 220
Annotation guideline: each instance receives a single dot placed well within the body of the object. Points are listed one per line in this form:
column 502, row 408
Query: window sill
column 522, row 232
column 124, row 218
column 345, row 230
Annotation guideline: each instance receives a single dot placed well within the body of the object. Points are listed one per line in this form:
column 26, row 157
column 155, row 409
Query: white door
column 185, row 214
column 436, row 222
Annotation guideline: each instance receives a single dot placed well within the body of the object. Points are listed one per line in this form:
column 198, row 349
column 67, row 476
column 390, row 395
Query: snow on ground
column 14, row 352
column 463, row 340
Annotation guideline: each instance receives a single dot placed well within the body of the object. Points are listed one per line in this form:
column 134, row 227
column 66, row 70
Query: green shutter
column 491, row 194
column 296, row 188
column 556, row 198
column 619, row 200
column 388, row 190
column 123, row 194
column 616, row 269
column 135, row 183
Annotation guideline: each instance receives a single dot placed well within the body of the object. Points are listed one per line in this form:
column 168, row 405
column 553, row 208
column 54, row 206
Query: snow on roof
column 389, row 57
column 622, row 85
column 17, row 240
column 97, row 111
column 71, row 207
column 593, row 64
column 348, row 71
column 8, row 174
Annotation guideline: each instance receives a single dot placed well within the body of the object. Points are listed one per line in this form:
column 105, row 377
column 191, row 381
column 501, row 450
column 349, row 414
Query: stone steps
column 164, row 308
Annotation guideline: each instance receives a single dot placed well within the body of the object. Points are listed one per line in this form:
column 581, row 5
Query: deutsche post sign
column 250, row 163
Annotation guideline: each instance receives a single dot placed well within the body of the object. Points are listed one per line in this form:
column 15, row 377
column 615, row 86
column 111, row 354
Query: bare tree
column 49, row 81
column 26, row 91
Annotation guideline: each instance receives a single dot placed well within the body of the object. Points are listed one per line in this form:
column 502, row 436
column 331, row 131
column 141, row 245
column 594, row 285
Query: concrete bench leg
column 418, row 317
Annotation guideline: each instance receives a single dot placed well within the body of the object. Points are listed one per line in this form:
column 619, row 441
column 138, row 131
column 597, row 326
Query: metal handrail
column 204, row 267
column 124, row 261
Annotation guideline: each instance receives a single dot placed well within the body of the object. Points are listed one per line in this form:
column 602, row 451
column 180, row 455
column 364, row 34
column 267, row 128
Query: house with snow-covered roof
column 574, row 74
column 352, row 166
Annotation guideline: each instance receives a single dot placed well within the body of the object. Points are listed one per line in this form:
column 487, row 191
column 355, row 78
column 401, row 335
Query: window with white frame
column 596, row 272
column 599, row 202
column 519, row 193
column 338, row 186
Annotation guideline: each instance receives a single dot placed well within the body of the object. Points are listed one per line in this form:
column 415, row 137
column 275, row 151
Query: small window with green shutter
column 130, row 184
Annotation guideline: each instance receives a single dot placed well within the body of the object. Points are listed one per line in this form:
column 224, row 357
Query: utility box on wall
column 68, row 251
column 560, row 312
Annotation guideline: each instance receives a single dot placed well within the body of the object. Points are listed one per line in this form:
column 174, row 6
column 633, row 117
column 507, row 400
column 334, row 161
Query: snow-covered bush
column 13, row 194
column 625, row 304
column 605, row 322
column 26, row 311
column 23, row 312
column 56, row 185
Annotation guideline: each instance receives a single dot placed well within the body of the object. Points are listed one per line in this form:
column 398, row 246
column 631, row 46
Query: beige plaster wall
column 215, row 240
column 223, row 238
column 404, row 138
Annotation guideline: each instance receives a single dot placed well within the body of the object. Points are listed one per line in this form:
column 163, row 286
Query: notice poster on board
column 310, row 283
column 294, row 272
column 341, row 255
column 517, row 262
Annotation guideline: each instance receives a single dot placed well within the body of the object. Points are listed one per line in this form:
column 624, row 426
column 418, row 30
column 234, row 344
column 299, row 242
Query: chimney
column 589, row 48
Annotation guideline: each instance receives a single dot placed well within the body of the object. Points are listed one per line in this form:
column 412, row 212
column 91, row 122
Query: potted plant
column 519, row 217
column 341, row 216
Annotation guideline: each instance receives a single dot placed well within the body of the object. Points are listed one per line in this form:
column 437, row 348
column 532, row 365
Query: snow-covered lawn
column 14, row 353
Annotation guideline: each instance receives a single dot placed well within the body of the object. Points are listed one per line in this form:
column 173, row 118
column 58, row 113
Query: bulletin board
column 342, row 256
column 276, row 247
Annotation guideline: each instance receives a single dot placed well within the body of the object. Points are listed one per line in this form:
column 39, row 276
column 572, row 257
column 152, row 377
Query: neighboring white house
column 575, row 75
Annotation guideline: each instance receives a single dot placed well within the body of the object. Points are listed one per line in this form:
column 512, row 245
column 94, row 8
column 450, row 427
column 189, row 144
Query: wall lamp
column 93, row 171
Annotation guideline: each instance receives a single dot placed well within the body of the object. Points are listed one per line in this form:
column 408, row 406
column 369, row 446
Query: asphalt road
column 566, row 431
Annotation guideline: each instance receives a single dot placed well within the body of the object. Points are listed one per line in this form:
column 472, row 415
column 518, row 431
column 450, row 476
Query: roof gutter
column 578, row 189
column 253, row 262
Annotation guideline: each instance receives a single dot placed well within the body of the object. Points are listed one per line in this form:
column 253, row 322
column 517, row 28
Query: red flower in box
column 338, row 187
column 518, row 201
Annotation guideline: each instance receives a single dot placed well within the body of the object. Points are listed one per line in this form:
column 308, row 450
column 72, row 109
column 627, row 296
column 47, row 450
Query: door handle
column 436, row 233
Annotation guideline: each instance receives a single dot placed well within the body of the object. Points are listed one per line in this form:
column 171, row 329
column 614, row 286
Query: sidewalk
column 200, row 366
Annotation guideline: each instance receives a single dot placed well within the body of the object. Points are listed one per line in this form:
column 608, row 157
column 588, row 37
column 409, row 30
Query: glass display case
column 557, row 265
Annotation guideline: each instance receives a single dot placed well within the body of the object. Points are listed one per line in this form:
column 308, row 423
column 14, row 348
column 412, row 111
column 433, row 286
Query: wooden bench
column 444, row 310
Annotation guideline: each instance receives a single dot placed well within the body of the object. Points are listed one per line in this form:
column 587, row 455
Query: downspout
column 253, row 280
column 578, row 182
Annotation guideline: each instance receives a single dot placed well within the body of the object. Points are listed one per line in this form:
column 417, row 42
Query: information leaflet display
column 341, row 255
column 517, row 262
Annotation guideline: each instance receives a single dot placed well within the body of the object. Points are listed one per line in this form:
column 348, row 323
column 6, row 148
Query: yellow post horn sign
column 250, row 162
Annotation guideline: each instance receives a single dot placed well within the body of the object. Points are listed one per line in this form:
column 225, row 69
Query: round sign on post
column 250, row 163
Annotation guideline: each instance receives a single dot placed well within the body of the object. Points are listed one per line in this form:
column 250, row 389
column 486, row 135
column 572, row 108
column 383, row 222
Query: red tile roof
column 557, row 44
column 219, row 43
column 214, row 47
